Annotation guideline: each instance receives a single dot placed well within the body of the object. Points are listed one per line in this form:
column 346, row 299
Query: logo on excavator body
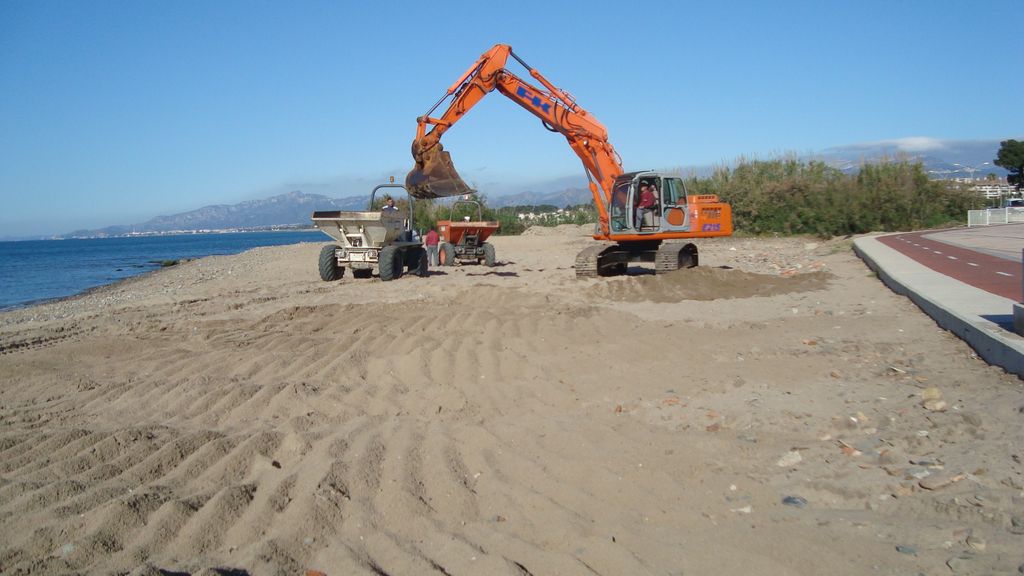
column 711, row 228
column 535, row 100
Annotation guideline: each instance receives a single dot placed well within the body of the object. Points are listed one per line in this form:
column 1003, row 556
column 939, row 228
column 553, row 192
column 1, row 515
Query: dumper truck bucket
column 434, row 176
column 361, row 229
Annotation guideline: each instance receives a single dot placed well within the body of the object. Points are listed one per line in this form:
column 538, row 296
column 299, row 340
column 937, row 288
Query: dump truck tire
column 419, row 264
column 329, row 269
column 490, row 258
column 391, row 263
column 446, row 254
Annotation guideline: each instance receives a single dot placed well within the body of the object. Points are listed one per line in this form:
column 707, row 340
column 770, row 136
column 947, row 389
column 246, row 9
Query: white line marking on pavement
column 972, row 264
column 1004, row 274
column 951, row 257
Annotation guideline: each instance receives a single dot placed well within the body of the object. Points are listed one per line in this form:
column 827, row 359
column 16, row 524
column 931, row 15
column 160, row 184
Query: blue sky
column 115, row 112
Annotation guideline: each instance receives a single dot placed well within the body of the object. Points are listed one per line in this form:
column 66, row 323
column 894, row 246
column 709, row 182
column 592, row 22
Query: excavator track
column 600, row 260
column 673, row 256
column 587, row 261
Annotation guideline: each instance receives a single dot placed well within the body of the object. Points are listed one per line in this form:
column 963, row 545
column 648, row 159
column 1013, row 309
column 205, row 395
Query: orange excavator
column 637, row 211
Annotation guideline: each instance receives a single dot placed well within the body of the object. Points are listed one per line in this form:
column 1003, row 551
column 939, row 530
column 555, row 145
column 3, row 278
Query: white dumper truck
column 381, row 239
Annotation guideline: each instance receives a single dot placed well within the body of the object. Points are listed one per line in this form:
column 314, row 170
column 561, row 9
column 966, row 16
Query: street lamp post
column 941, row 174
column 971, row 169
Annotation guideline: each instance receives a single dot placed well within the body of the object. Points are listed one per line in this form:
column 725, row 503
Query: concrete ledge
column 964, row 310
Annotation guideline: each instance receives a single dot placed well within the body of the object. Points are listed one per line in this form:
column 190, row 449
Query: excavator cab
column 668, row 213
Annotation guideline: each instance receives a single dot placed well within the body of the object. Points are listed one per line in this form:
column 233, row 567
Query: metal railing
column 994, row 216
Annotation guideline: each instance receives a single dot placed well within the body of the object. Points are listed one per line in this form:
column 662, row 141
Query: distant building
column 994, row 190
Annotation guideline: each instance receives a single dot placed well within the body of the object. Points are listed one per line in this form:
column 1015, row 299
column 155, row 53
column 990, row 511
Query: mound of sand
column 704, row 283
column 560, row 230
column 775, row 411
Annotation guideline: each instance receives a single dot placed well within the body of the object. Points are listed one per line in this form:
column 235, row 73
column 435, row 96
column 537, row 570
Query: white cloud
column 908, row 144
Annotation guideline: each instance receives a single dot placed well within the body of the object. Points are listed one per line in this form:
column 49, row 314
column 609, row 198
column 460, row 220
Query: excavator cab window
column 675, row 216
column 619, row 216
column 675, row 192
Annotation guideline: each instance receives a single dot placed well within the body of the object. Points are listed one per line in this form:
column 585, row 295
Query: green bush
column 789, row 196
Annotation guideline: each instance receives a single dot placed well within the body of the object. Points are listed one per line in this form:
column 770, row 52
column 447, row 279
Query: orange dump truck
column 465, row 240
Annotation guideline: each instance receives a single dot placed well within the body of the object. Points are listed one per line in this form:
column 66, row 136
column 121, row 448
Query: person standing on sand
column 431, row 242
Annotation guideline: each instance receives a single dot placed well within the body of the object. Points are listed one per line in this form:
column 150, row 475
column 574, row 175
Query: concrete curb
column 953, row 305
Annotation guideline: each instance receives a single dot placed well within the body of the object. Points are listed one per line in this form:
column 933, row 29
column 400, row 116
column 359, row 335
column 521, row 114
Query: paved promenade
column 967, row 280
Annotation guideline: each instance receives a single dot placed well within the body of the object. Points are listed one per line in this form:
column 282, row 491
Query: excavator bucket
column 434, row 176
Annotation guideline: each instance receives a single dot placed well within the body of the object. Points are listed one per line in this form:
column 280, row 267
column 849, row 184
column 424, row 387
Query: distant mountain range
column 942, row 159
column 291, row 209
column 282, row 210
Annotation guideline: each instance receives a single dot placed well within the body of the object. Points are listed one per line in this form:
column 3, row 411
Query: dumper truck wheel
column 490, row 258
column 446, row 254
column 329, row 269
column 391, row 263
column 414, row 259
column 419, row 264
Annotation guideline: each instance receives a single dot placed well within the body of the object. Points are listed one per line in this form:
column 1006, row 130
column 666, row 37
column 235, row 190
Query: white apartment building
column 994, row 190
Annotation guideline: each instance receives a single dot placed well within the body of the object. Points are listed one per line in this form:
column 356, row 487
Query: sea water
column 33, row 271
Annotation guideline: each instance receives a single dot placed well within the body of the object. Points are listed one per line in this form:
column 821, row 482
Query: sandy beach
column 775, row 411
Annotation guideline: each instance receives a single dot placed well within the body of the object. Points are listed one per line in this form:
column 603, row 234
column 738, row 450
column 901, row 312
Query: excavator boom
column 434, row 175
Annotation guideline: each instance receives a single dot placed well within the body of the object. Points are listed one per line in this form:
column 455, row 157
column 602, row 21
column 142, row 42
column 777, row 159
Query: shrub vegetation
column 793, row 197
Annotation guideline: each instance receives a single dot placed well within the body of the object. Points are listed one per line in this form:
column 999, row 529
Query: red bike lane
column 990, row 273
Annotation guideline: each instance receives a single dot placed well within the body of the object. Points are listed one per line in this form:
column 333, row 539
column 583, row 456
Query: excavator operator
column 647, row 207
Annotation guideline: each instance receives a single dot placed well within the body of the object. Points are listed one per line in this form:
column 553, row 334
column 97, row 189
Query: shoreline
column 142, row 266
column 86, row 292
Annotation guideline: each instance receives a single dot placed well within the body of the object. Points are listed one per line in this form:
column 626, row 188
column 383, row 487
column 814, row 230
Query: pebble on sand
column 789, row 459
column 976, row 543
column 940, row 481
column 931, row 399
column 960, row 563
column 797, row 501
